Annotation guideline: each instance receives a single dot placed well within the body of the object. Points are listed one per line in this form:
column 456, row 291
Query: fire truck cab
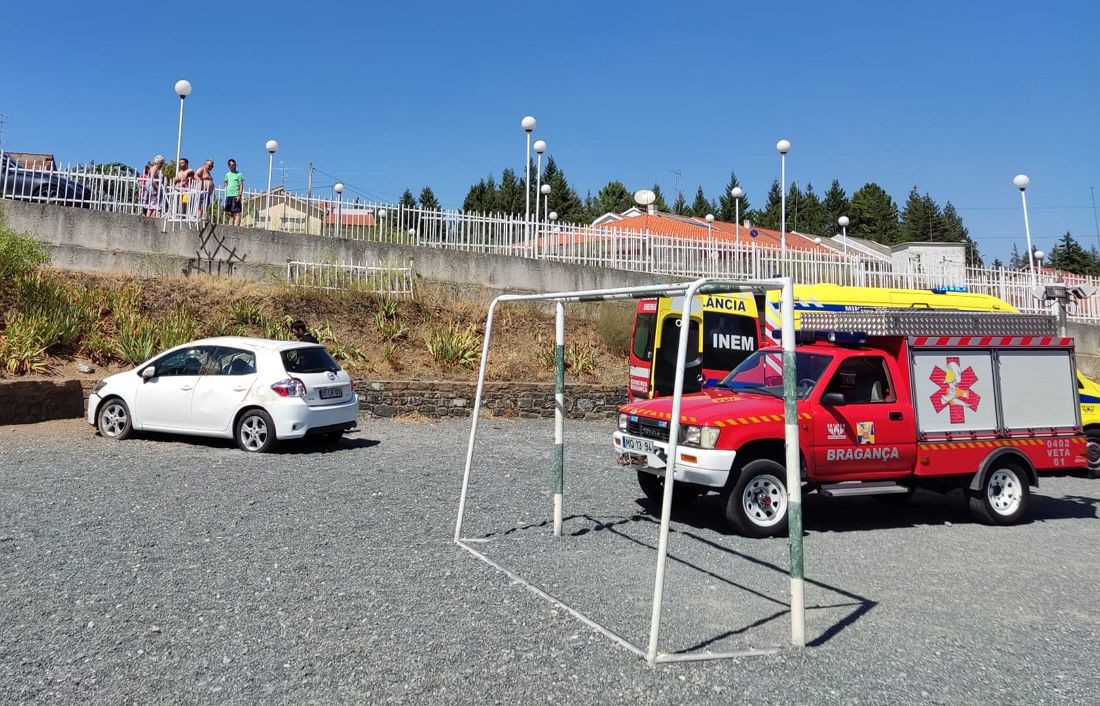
column 888, row 401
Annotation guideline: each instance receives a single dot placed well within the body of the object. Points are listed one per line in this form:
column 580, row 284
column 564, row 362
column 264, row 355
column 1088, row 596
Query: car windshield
column 314, row 359
column 763, row 372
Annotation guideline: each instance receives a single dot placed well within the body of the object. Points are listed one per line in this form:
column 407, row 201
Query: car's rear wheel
column 1093, row 451
column 255, row 431
column 113, row 419
column 1003, row 497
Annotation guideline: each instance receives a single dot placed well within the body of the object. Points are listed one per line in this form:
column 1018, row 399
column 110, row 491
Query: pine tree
column 679, row 206
column 794, row 207
column 770, row 216
column 1016, row 261
column 874, row 215
column 564, row 199
column 614, row 197
column 427, row 200
column 922, row 221
column 482, row 196
column 509, row 197
column 407, row 201
column 997, row 264
column 954, row 231
column 727, row 205
column 701, row 206
column 836, row 204
column 1069, row 256
column 812, row 218
column 659, row 203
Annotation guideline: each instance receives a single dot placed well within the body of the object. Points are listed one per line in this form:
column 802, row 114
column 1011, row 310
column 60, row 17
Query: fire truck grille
column 648, row 429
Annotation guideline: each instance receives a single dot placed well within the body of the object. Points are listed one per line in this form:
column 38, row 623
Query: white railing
column 367, row 278
column 118, row 190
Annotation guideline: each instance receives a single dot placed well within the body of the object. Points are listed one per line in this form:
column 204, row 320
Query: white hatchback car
column 250, row 389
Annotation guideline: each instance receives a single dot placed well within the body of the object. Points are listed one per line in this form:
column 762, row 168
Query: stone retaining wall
column 30, row 401
column 389, row 398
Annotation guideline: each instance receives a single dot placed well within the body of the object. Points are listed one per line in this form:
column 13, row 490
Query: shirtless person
column 182, row 181
column 205, row 177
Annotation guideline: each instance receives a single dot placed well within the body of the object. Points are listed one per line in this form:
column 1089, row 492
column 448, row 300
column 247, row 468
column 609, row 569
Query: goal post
column 688, row 290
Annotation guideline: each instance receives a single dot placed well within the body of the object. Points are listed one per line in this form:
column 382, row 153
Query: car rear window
column 308, row 360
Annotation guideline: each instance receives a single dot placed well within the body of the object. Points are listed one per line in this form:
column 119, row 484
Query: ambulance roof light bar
column 923, row 322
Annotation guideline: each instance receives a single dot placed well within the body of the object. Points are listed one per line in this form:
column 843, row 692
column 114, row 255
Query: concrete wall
column 1087, row 344
column 106, row 242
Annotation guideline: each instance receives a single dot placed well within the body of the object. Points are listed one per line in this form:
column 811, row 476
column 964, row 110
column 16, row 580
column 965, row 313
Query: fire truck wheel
column 757, row 504
column 654, row 489
column 1093, row 436
column 1003, row 497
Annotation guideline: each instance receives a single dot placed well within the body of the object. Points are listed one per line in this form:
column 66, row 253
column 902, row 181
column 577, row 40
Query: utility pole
column 309, row 182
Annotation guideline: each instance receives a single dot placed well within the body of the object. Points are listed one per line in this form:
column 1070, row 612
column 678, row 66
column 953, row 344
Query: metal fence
column 395, row 281
column 120, row 190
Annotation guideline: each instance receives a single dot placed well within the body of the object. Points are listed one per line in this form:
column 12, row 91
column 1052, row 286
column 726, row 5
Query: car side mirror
column 149, row 372
column 832, row 399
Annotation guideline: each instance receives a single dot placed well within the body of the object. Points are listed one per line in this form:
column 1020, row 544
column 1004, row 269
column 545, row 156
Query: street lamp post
column 1021, row 182
column 528, row 124
column 843, row 223
column 783, row 146
column 338, row 187
column 1039, row 255
column 183, row 89
column 540, row 147
column 709, row 218
column 737, row 192
column 545, row 190
column 272, row 147
column 381, row 217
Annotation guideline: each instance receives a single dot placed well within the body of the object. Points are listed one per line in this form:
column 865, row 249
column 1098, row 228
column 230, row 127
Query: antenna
column 3, row 122
column 678, row 174
column 1095, row 223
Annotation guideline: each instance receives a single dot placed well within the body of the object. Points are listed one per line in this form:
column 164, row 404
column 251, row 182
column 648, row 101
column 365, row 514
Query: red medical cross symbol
column 954, row 390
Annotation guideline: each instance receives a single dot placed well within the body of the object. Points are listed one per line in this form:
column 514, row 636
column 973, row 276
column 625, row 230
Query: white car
column 250, row 389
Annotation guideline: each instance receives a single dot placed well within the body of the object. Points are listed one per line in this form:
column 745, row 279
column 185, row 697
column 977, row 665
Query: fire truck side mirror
column 832, row 399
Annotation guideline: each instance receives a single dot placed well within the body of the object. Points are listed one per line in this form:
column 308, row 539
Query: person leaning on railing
column 150, row 186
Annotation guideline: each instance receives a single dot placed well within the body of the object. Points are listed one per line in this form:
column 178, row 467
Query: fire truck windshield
column 763, row 372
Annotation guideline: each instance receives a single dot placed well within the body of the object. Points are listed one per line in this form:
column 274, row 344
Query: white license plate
column 644, row 446
column 328, row 393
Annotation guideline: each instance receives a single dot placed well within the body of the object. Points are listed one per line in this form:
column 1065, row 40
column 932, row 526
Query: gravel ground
column 167, row 570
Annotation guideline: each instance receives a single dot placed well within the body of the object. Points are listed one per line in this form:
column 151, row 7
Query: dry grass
column 372, row 336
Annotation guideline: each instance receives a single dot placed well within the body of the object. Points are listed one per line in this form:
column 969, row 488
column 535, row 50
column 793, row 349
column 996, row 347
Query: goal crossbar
column 793, row 475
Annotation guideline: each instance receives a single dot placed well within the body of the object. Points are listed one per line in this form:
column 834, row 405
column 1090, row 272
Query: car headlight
column 703, row 437
column 99, row 386
column 623, row 420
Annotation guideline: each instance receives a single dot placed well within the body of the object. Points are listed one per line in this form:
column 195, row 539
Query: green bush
column 19, row 254
column 454, row 346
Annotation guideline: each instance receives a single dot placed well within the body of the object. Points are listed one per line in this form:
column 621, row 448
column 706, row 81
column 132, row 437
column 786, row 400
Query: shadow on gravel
column 860, row 514
column 615, row 525
column 308, row 445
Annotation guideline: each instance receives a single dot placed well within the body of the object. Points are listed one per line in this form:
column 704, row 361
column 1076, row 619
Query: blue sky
column 954, row 97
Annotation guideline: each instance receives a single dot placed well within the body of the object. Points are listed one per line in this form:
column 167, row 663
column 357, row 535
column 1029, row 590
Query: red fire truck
column 888, row 401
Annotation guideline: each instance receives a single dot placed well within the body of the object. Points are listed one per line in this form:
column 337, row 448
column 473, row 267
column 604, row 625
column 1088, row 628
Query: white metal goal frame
column 793, row 476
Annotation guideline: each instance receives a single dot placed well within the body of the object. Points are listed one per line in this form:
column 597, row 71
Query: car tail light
column 291, row 387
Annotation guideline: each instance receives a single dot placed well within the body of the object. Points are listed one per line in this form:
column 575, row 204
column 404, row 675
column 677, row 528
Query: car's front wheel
column 255, row 431
column 113, row 420
column 757, row 505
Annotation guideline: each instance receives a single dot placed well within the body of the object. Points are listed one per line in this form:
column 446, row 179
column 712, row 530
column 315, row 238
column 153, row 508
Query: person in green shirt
column 234, row 190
